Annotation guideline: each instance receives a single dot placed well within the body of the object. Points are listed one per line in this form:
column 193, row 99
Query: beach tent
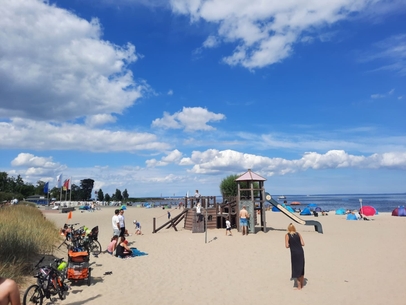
column 290, row 209
column 399, row 211
column 340, row 212
column 306, row 211
column 123, row 207
column 318, row 209
column 351, row 216
column 275, row 209
column 368, row 210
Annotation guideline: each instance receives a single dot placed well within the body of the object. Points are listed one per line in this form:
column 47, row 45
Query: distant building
column 38, row 199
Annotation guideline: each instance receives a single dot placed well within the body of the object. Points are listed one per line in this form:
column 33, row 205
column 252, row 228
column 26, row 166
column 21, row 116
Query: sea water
column 330, row 202
column 381, row 202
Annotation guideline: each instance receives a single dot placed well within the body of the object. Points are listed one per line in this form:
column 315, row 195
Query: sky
column 163, row 97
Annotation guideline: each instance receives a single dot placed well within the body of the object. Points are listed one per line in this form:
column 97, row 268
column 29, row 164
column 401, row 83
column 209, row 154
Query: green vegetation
column 24, row 234
column 228, row 186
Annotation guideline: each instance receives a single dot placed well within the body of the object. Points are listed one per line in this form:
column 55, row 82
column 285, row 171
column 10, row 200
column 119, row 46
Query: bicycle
column 50, row 282
column 78, row 240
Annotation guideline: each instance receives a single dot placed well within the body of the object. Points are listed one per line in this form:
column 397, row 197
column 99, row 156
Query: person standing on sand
column 244, row 216
column 9, row 293
column 294, row 241
column 121, row 220
column 115, row 222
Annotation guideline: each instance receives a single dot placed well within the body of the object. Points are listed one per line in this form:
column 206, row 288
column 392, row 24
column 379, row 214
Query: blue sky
column 169, row 96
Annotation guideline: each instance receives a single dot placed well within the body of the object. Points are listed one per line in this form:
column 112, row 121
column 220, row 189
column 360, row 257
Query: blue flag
column 46, row 188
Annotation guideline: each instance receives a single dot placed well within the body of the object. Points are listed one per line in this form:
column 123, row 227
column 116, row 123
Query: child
column 228, row 227
column 112, row 245
column 137, row 227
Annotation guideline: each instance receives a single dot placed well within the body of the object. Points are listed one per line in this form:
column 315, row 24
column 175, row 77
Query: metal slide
column 316, row 224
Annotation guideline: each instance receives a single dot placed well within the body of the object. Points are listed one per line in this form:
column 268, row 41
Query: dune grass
column 24, row 234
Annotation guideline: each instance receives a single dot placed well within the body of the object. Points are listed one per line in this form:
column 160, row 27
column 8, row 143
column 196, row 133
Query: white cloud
column 28, row 134
column 211, row 42
column 379, row 95
column 392, row 50
column 170, row 92
column 189, row 119
column 54, row 65
column 172, row 157
column 215, row 161
column 100, row 119
column 25, row 159
column 266, row 31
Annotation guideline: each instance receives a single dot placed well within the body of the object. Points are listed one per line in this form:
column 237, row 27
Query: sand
column 353, row 262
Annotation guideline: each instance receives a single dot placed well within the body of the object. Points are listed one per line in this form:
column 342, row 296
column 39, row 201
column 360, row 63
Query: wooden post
column 153, row 225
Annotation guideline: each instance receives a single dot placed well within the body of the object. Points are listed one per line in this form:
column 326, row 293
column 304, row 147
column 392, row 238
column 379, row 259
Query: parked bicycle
column 81, row 239
column 50, row 282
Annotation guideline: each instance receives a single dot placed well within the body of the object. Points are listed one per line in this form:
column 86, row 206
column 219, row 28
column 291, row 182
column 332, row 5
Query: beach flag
column 59, row 181
column 66, row 185
column 70, row 215
column 46, row 188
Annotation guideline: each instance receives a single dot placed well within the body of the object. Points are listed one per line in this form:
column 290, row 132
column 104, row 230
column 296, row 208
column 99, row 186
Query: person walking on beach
column 228, row 227
column 294, row 241
column 115, row 222
column 9, row 293
column 244, row 216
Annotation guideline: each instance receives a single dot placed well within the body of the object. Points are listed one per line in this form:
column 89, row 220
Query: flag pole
column 68, row 188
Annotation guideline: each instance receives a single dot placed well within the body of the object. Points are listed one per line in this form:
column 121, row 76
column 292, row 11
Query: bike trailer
column 78, row 257
column 78, row 266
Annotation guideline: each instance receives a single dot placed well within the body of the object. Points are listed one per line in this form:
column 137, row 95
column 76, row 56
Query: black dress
column 296, row 255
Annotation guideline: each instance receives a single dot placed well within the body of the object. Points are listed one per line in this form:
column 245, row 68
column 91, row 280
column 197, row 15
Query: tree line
column 15, row 188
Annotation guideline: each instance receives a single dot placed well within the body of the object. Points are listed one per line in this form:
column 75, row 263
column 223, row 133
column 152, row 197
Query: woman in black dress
column 294, row 241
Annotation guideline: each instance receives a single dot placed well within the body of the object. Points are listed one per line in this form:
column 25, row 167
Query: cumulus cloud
column 54, row 65
column 215, row 161
column 265, row 31
column 172, row 157
column 36, row 168
column 189, row 119
column 26, row 159
column 100, row 119
column 29, row 134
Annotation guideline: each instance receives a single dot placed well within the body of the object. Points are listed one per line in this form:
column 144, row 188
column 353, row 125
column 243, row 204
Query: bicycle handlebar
column 40, row 261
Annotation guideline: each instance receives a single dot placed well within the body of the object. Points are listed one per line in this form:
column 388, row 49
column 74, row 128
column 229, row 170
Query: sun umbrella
column 368, row 210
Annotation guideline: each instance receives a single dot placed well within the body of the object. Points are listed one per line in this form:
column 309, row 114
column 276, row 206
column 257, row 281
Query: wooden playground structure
column 251, row 194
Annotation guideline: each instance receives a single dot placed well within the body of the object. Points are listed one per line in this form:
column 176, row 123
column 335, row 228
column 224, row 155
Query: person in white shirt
column 197, row 196
column 228, row 227
column 115, row 222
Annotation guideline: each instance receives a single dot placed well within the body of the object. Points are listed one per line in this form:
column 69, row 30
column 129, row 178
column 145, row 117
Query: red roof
column 250, row 176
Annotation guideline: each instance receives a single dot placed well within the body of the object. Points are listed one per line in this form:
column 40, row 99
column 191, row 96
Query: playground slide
column 316, row 224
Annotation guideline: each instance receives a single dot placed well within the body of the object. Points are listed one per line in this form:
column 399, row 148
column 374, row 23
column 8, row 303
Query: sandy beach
column 353, row 262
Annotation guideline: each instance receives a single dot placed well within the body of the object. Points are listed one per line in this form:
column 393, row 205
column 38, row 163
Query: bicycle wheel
column 33, row 295
column 60, row 288
column 95, row 247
